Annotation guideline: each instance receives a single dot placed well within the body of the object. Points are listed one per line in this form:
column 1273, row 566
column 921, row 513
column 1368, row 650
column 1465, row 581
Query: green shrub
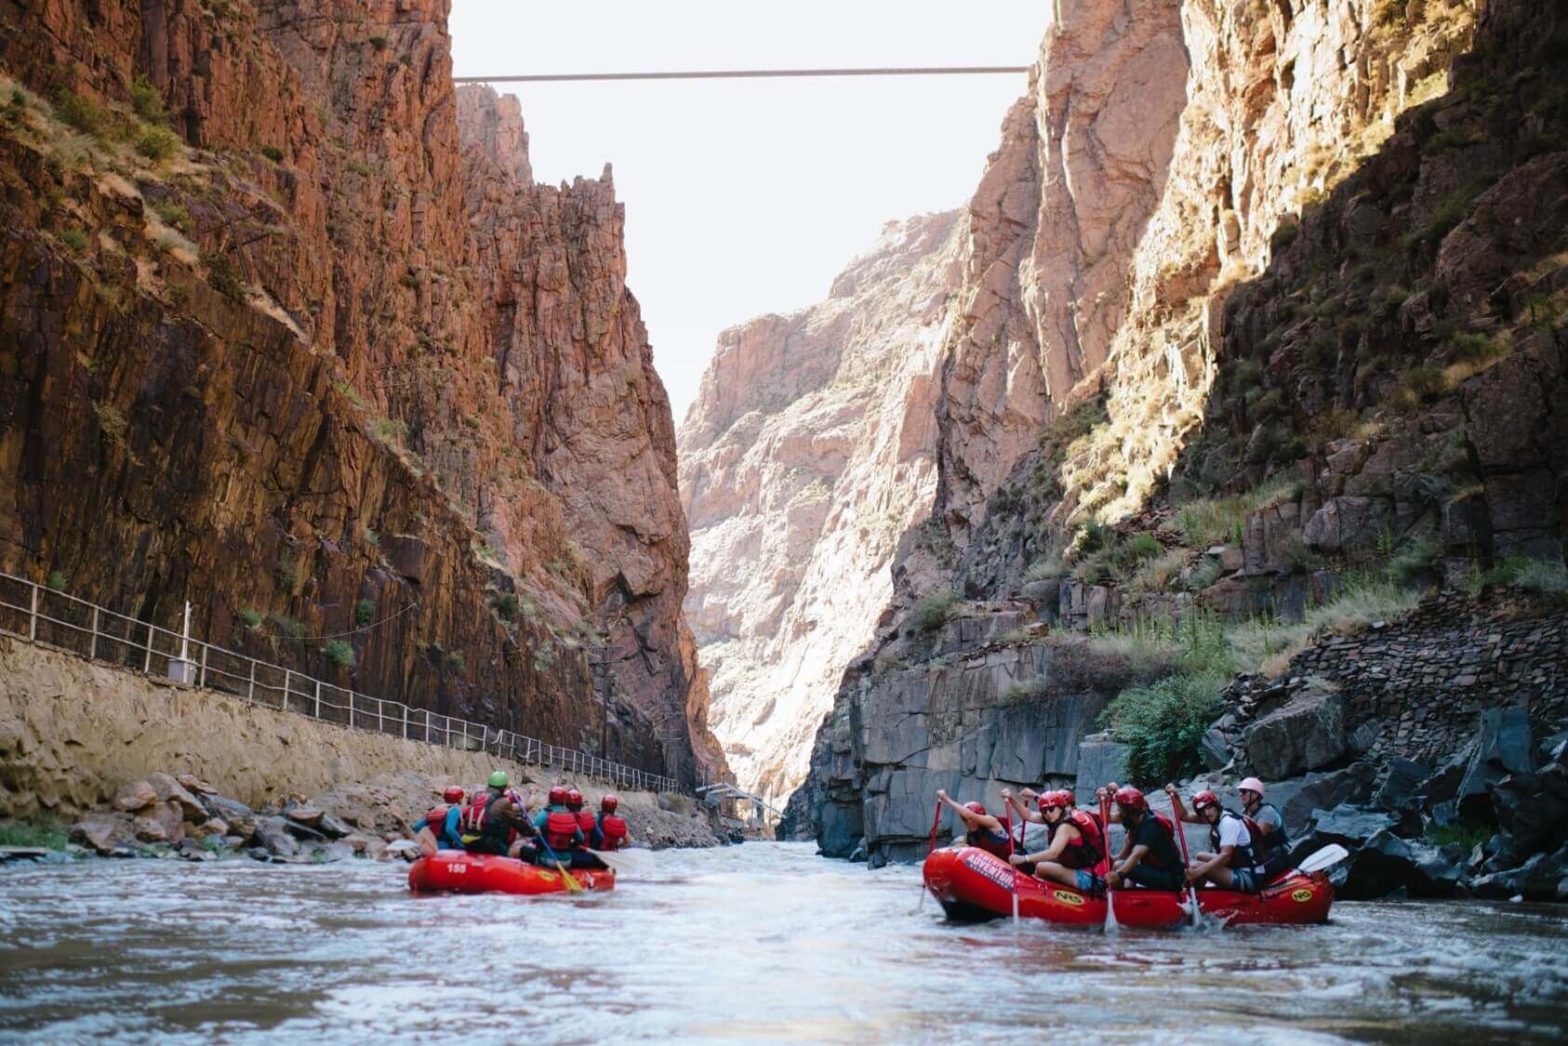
column 389, row 430
column 223, row 276
column 339, row 653
column 1284, row 236
column 271, row 152
column 41, row 835
column 364, row 610
column 251, row 617
column 932, row 612
column 1163, row 723
column 56, row 581
column 372, row 538
column 157, row 143
column 146, row 99
column 1414, row 561
column 1220, row 521
column 75, row 239
column 286, row 626
column 506, row 607
column 378, row 42
column 454, row 660
column 81, row 112
column 173, row 214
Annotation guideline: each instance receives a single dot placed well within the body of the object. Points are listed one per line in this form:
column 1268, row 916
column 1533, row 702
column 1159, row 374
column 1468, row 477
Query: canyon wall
column 808, row 451
column 327, row 363
column 1320, row 387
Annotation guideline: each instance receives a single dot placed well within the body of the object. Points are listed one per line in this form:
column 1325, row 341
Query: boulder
column 1100, row 760
column 1298, row 800
column 1347, row 523
column 1214, row 749
column 1399, row 787
column 160, row 823
column 102, row 834
column 213, row 826
column 192, row 783
column 1543, row 877
column 241, row 818
column 404, row 848
column 1386, row 863
column 1349, row 826
column 1306, row 734
column 1532, row 809
column 1502, row 747
column 306, row 815
column 273, row 834
column 171, row 791
column 367, row 846
column 133, row 796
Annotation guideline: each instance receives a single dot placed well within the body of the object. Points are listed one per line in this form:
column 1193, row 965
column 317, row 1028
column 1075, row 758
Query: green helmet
column 498, row 779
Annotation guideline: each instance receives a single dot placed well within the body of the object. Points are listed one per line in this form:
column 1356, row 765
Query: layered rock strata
column 808, row 452
column 329, row 365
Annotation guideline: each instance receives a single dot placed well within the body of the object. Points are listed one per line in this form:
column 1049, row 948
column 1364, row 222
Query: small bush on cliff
column 932, row 612
column 339, row 653
column 271, row 152
column 364, row 610
column 146, row 99
column 251, row 617
column 506, row 607
column 157, row 143
column 75, row 239
column 223, row 276
column 41, row 835
column 1163, row 723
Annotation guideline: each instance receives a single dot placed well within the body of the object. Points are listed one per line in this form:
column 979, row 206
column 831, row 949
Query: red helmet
column 453, row 793
column 609, row 803
column 558, row 795
column 574, row 797
column 974, row 808
column 1129, row 796
column 1049, row 799
column 1204, row 798
column 1068, row 798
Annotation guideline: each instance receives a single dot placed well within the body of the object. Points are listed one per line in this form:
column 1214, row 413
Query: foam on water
column 760, row 942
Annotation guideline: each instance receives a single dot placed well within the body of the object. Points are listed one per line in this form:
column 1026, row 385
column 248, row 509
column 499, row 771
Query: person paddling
column 1233, row 863
column 496, row 820
column 980, row 828
column 1148, row 857
column 1274, row 841
column 439, row 829
column 1074, row 847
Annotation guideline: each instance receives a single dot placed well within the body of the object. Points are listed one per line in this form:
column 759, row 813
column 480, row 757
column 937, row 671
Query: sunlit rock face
column 808, row 452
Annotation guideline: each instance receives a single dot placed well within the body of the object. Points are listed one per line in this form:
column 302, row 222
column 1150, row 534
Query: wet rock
column 404, row 848
column 1399, row 787
column 241, row 818
column 1541, row 878
column 332, row 828
column 212, row 826
column 1099, row 760
column 1349, row 825
column 332, row 853
column 305, row 815
column 191, row 850
column 1214, row 749
column 133, row 796
column 367, row 846
column 160, row 823
column 1386, row 863
column 1306, row 734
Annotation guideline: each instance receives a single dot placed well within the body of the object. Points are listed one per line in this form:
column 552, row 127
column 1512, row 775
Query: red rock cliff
column 331, row 360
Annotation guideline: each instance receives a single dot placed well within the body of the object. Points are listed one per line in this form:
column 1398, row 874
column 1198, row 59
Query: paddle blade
column 626, row 862
column 1330, row 855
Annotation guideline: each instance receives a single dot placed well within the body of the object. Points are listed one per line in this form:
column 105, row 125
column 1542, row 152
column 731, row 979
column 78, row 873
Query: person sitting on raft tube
column 980, row 828
column 587, row 823
column 613, row 833
column 1233, row 863
column 1148, row 857
column 496, row 820
column 439, row 828
column 1075, row 845
column 562, row 833
column 1275, row 844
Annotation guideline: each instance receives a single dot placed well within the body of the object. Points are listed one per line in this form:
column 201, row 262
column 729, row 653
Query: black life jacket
column 1273, row 847
column 1247, row 857
column 1165, row 855
column 997, row 844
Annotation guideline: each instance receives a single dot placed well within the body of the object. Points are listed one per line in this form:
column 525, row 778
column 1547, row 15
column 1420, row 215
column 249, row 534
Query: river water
column 758, row 942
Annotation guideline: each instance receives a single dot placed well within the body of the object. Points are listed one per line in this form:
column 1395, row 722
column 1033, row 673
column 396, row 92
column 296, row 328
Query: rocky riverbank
column 163, row 815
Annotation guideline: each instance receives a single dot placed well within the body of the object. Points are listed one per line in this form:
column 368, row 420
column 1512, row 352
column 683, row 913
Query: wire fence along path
column 41, row 614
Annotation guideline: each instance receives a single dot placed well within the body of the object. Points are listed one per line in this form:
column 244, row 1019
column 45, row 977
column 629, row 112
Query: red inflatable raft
column 973, row 885
column 456, row 871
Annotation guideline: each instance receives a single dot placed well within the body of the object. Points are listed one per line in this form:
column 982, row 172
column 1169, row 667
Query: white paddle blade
column 626, row 862
column 1330, row 855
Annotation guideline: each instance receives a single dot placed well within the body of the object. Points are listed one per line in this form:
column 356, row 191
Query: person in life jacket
column 496, row 820
column 439, row 829
column 1233, row 862
column 558, row 825
column 613, row 833
column 980, row 828
column 1271, row 827
column 1074, row 847
column 586, row 821
column 1148, row 857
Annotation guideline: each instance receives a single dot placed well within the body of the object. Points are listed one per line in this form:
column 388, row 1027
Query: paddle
column 936, row 819
column 1014, row 867
column 572, row 885
column 1181, row 835
column 1105, row 844
column 1331, row 854
column 632, row 862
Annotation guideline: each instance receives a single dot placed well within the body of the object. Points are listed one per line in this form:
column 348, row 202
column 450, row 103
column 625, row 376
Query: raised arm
column 970, row 818
column 1179, row 809
column 1024, row 813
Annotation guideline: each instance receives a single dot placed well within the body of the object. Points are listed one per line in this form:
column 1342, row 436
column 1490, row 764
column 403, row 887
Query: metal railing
column 41, row 614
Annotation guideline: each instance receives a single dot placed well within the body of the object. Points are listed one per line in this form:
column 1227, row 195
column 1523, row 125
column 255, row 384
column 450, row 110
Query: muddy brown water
column 762, row 942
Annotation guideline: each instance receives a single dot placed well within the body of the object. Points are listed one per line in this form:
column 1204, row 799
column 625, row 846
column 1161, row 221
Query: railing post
column 147, row 664
column 92, row 649
column 32, row 615
column 318, row 699
column 427, row 726
column 350, row 703
column 201, row 676
column 250, row 691
column 286, row 674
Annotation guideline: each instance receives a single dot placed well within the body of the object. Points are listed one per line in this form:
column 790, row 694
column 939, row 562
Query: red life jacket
column 1089, row 848
column 560, row 830
column 435, row 817
column 476, row 814
column 614, row 831
column 586, row 823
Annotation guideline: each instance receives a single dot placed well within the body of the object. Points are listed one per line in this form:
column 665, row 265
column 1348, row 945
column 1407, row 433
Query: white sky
column 748, row 197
